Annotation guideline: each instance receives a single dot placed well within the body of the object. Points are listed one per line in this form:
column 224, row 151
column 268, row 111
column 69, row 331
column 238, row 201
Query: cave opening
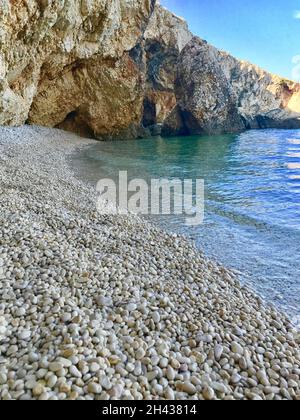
column 75, row 123
column 149, row 114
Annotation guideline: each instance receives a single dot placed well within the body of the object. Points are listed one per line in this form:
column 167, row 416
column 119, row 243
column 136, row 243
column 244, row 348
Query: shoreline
column 99, row 307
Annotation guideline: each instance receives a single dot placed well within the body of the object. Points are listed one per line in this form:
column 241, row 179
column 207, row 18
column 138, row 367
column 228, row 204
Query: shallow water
column 252, row 199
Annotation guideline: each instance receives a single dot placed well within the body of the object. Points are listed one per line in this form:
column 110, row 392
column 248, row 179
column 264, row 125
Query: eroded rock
column 68, row 64
column 217, row 93
column 117, row 69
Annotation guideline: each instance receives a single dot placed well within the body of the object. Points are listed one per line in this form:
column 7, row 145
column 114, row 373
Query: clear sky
column 265, row 32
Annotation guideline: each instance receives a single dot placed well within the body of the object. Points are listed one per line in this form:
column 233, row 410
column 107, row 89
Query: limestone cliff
column 119, row 68
column 68, row 63
column 164, row 39
column 217, row 93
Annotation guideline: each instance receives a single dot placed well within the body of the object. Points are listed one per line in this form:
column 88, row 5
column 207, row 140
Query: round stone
column 94, row 388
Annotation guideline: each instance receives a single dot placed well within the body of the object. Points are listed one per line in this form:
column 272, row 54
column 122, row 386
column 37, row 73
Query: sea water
column 252, row 199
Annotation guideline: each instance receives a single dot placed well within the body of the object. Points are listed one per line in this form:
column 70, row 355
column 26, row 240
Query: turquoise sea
column 252, row 199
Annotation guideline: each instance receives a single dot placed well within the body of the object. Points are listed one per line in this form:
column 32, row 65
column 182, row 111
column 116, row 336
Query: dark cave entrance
column 75, row 123
column 149, row 115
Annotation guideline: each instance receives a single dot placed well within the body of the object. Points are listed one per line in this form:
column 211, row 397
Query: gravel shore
column 104, row 307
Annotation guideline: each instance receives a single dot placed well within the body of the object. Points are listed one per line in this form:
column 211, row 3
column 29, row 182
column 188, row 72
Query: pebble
column 3, row 379
column 55, row 366
column 188, row 388
column 75, row 372
column 12, row 350
column 156, row 317
column 94, row 367
column 38, row 390
column 262, row 377
column 33, row 357
column 140, row 354
column 116, row 391
column 131, row 307
column 235, row 379
column 94, row 388
column 52, row 381
column 66, row 317
column 218, row 352
column 170, row 374
column 68, row 353
column 208, row 393
column 20, row 312
column 104, row 301
column 66, row 363
column 169, row 394
column 25, row 335
column 237, row 348
column 219, row 387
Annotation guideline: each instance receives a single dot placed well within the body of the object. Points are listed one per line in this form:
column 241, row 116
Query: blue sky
column 265, row 32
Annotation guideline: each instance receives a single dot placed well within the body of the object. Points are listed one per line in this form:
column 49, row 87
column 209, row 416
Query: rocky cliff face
column 68, row 63
column 217, row 93
column 165, row 37
column 118, row 68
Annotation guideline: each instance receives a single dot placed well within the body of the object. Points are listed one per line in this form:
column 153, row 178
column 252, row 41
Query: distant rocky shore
column 106, row 307
column 117, row 70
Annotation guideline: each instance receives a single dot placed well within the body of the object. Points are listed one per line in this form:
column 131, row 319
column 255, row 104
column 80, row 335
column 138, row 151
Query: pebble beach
column 97, row 307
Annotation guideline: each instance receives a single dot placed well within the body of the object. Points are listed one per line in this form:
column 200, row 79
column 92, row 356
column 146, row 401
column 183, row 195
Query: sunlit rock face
column 68, row 63
column 118, row 69
column 217, row 93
